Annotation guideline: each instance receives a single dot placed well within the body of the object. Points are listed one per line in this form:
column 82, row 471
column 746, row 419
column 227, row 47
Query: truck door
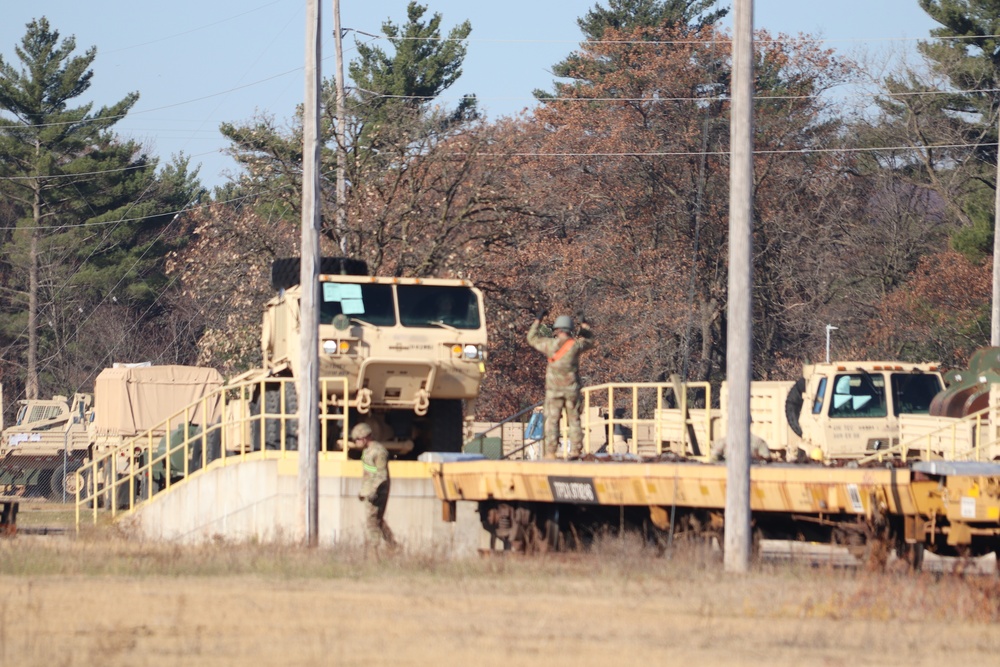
column 857, row 418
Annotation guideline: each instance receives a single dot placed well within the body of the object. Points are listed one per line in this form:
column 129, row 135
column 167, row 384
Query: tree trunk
column 31, row 381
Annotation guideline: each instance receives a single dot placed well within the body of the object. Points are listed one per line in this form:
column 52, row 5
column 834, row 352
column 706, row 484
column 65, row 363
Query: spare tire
column 286, row 272
column 793, row 405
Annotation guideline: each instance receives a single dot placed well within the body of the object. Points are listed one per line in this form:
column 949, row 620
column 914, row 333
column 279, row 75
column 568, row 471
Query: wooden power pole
column 995, row 311
column 308, row 372
column 338, row 41
column 740, row 311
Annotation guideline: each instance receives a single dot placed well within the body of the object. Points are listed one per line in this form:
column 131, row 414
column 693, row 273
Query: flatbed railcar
column 948, row 508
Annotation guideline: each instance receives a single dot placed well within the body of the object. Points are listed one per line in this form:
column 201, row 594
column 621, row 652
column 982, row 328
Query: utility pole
column 995, row 319
column 338, row 40
column 740, row 311
column 308, row 371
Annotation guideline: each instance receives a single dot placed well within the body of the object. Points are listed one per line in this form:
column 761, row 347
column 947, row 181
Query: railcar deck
column 950, row 507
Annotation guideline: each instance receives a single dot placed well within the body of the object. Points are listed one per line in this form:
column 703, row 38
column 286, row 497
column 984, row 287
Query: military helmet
column 361, row 430
column 564, row 322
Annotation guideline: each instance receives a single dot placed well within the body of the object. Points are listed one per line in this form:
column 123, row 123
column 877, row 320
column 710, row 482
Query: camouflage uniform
column 562, row 387
column 375, row 493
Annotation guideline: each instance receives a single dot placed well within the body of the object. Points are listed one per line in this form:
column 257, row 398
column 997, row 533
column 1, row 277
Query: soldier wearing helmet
column 374, row 486
column 562, row 378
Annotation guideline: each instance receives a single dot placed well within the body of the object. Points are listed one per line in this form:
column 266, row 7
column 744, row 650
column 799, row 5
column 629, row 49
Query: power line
column 600, row 154
column 722, row 39
column 194, row 30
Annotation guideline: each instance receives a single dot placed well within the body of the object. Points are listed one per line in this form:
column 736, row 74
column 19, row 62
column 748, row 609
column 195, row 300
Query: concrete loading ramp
column 256, row 499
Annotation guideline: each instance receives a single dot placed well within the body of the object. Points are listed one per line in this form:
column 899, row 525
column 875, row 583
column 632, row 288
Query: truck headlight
column 329, row 347
column 468, row 351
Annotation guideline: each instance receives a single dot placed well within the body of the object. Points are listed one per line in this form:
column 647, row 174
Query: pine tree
column 421, row 66
column 392, row 114
column 954, row 107
column 90, row 210
column 625, row 16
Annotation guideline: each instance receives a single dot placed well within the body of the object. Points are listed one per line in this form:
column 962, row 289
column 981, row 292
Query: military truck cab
column 412, row 352
column 851, row 409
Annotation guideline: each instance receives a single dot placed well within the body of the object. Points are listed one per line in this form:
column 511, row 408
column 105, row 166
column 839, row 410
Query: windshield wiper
column 444, row 326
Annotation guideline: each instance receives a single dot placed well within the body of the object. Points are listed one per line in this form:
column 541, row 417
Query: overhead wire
column 571, row 99
column 115, row 223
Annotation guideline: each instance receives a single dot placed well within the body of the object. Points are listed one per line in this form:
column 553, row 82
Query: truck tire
column 272, row 427
column 793, row 405
column 63, row 480
column 255, row 424
column 212, row 443
column 445, row 419
column 287, row 272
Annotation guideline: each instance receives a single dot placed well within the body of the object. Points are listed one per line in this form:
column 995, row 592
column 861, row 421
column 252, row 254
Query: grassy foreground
column 104, row 597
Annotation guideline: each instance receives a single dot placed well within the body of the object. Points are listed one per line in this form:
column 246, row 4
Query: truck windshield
column 912, row 393
column 432, row 305
column 858, row 395
column 370, row 303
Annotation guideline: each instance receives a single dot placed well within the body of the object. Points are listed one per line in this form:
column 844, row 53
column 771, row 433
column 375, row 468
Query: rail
column 121, row 476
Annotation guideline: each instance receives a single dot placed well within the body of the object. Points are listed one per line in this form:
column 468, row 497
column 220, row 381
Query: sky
column 199, row 64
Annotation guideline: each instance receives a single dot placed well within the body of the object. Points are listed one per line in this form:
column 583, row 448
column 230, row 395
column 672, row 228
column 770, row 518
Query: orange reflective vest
column 561, row 352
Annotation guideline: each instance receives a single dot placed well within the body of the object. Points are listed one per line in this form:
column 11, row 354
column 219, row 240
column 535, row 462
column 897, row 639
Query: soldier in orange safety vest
column 562, row 379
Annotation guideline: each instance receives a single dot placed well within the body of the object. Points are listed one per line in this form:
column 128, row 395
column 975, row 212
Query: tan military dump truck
column 412, row 352
column 838, row 410
column 40, row 452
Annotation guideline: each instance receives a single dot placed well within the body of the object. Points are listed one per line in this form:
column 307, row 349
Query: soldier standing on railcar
column 562, row 379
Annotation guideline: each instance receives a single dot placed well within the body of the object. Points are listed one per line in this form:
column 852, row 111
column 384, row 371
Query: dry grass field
column 105, row 599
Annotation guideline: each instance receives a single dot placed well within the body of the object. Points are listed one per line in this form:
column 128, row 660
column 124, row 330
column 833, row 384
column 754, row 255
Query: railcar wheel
column 911, row 554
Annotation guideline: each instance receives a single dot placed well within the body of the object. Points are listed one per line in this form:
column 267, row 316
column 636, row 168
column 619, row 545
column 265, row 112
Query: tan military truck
column 47, row 443
column 852, row 409
column 412, row 352
column 147, row 400
column 137, row 407
column 838, row 410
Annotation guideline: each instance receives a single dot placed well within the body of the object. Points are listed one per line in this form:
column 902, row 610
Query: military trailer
column 46, row 444
column 964, row 420
column 405, row 355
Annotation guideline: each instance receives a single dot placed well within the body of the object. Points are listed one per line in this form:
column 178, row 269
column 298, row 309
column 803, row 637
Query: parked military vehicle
column 839, row 410
column 47, row 443
column 152, row 402
column 412, row 352
column 852, row 409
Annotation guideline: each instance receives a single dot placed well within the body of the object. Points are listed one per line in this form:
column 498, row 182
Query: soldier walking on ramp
column 562, row 379
column 374, row 486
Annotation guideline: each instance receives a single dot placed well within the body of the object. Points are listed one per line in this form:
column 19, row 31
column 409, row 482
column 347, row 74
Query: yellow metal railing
column 672, row 425
column 924, row 445
column 140, row 467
